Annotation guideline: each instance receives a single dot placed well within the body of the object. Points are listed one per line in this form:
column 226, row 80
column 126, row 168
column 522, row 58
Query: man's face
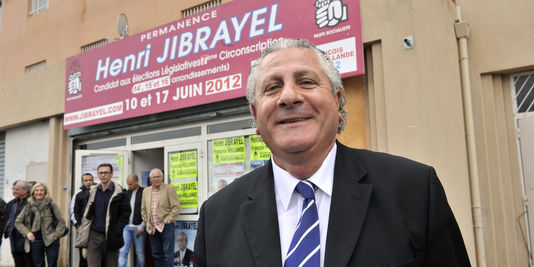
column 132, row 183
column 182, row 242
column 156, row 178
column 104, row 173
column 87, row 180
column 295, row 108
column 18, row 192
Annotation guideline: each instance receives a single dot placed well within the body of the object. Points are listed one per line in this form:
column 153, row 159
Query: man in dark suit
column 21, row 191
column 318, row 202
column 182, row 257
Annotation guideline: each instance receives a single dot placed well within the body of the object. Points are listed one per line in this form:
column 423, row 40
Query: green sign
column 229, row 150
column 188, row 194
column 258, row 149
column 183, row 164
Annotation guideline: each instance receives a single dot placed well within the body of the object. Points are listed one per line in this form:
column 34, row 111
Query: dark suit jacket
column 385, row 211
column 187, row 256
column 137, row 219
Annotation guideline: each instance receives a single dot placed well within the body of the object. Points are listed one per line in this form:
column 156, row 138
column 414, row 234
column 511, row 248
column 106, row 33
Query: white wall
column 26, row 159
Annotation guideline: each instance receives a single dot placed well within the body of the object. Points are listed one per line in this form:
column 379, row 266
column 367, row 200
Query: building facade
column 448, row 83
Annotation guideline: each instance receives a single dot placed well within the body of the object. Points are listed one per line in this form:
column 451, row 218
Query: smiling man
column 318, row 202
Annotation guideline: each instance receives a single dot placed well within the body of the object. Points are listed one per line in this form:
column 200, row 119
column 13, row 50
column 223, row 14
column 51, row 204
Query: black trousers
column 22, row 259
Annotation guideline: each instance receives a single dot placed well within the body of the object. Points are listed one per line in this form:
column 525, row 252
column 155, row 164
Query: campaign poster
column 185, row 234
column 183, row 176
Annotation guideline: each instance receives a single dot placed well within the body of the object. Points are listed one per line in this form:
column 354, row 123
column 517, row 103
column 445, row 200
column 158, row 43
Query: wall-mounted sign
column 203, row 58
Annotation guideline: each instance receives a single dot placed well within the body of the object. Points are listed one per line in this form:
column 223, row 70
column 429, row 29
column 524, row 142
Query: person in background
column 3, row 219
column 135, row 230
column 77, row 206
column 42, row 223
column 184, row 256
column 21, row 191
column 106, row 213
column 159, row 210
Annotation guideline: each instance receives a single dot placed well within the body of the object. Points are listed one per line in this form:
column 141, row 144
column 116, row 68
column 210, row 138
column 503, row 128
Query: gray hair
column 25, row 185
column 158, row 170
column 326, row 64
column 183, row 234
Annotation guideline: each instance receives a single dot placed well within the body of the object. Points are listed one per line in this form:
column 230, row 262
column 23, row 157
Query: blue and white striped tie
column 305, row 247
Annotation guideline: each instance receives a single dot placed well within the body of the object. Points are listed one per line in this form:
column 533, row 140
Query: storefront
column 173, row 97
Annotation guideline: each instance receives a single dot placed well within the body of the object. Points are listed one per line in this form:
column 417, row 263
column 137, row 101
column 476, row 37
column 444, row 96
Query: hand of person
column 30, row 236
column 139, row 231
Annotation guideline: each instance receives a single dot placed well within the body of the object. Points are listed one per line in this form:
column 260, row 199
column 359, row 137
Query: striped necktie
column 306, row 243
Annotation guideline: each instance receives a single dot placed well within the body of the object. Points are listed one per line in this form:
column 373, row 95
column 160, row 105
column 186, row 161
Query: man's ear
column 253, row 111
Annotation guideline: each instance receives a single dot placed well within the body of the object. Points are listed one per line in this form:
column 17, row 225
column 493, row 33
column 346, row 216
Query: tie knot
column 306, row 189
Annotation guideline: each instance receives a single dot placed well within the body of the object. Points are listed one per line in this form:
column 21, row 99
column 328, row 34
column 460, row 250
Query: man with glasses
column 106, row 213
column 159, row 209
column 21, row 190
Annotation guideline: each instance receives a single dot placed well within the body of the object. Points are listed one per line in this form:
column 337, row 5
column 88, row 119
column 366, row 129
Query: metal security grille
column 2, row 162
column 94, row 45
column 200, row 8
column 35, row 66
column 524, row 92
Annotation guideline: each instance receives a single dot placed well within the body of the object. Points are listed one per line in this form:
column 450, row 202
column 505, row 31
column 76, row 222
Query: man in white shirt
column 318, row 202
column 183, row 256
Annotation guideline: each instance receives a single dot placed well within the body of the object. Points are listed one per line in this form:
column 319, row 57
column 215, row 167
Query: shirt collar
column 323, row 178
column 110, row 188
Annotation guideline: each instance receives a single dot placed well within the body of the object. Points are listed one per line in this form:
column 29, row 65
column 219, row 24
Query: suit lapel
column 350, row 200
column 260, row 220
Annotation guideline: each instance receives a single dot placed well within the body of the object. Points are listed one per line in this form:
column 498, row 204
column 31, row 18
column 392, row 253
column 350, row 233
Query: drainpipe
column 462, row 33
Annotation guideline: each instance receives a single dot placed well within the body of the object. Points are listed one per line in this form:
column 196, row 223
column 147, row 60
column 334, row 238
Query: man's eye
column 271, row 88
column 308, row 83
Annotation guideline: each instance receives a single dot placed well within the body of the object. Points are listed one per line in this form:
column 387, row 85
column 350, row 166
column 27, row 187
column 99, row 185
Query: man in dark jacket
column 104, row 218
column 21, row 190
column 135, row 230
column 77, row 205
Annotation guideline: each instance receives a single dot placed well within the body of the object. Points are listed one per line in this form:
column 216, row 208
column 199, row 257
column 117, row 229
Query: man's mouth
column 292, row 120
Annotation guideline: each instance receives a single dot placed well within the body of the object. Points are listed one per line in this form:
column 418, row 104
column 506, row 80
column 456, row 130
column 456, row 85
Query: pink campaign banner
column 203, row 58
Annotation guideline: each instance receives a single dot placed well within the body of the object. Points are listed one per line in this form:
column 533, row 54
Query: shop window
column 188, row 132
column 38, row 6
column 94, row 45
column 229, row 126
column 231, row 157
column 35, row 66
column 106, row 144
column 200, row 8
column 524, row 92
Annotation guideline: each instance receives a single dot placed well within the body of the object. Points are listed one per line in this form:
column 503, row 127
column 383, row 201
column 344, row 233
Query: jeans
column 130, row 233
column 38, row 251
column 162, row 245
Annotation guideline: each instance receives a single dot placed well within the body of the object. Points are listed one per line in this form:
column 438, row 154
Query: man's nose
column 290, row 96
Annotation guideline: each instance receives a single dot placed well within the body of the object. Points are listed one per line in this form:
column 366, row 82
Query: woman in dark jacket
column 42, row 223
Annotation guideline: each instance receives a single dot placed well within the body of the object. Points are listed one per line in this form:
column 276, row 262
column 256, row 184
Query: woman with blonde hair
column 42, row 223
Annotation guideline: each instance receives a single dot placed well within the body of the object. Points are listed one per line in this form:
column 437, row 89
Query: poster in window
column 259, row 152
column 228, row 160
column 183, row 175
column 90, row 165
column 185, row 234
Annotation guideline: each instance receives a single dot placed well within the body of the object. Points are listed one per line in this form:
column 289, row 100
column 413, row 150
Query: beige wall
column 415, row 95
column 66, row 26
column 32, row 96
